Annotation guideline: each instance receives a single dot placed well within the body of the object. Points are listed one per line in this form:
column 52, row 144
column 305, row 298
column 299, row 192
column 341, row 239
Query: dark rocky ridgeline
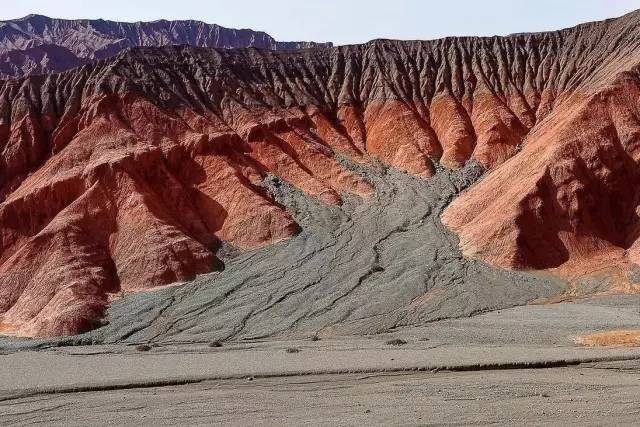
column 38, row 44
column 152, row 166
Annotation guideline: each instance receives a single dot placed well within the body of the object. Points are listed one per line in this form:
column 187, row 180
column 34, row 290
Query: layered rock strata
column 130, row 173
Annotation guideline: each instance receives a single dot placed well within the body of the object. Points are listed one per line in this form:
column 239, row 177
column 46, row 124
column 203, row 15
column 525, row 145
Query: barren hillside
column 159, row 164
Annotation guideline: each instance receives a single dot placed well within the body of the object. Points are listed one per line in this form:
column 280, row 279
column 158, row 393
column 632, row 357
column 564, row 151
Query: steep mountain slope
column 38, row 44
column 150, row 167
column 40, row 59
column 569, row 197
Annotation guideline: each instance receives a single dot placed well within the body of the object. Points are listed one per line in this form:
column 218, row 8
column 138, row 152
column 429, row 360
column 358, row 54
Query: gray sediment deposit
column 366, row 267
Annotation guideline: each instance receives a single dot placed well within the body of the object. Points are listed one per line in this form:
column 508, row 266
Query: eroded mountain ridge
column 130, row 173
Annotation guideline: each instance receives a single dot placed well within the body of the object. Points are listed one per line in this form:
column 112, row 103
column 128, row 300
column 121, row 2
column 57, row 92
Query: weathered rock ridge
column 38, row 44
column 133, row 172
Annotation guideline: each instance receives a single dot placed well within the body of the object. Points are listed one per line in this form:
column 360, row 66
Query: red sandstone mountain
column 38, row 44
column 128, row 173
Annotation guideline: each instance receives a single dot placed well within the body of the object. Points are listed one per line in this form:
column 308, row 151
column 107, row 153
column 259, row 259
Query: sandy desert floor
column 510, row 366
column 593, row 394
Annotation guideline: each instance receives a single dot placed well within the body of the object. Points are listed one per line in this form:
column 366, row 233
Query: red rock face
column 569, row 195
column 137, row 197
column 128, row 174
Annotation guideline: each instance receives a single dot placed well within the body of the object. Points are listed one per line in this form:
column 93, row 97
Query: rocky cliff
column 38, row 44
column 152, row 166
